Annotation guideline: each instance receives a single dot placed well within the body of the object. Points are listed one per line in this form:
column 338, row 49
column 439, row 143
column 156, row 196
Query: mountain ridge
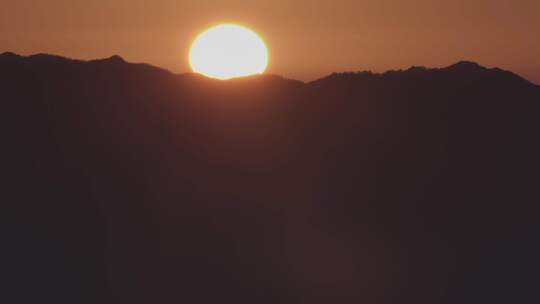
column 460, row 66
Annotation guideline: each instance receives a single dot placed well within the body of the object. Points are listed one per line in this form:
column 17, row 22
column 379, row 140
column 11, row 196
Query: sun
column 227, row 51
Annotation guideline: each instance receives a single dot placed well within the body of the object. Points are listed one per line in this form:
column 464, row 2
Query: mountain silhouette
column 125, row 183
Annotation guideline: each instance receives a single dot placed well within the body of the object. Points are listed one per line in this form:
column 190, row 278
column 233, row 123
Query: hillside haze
column 130, row 184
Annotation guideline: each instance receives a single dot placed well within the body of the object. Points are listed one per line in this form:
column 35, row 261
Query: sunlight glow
column 228, row 51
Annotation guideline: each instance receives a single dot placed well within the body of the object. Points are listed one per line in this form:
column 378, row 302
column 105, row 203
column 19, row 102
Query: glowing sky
column 307, row 39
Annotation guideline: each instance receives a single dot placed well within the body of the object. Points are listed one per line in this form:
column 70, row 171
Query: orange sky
column 307, row 39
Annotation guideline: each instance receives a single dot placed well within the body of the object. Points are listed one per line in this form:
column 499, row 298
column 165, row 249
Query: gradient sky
column 307, row 38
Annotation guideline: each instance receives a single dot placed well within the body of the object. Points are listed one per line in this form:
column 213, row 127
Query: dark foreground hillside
column 125, row 183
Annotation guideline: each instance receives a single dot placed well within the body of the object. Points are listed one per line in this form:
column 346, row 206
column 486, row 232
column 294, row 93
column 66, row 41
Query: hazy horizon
column 307, row 39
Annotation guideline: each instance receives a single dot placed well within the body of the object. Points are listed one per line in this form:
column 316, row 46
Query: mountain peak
column 116, row 58
column 9, row 54
column 466, row 66
column 9, row 57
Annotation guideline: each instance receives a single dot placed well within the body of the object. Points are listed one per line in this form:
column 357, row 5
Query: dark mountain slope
column 129, row 184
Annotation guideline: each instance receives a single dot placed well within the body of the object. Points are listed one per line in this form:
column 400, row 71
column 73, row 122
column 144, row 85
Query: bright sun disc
column 228, row 51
